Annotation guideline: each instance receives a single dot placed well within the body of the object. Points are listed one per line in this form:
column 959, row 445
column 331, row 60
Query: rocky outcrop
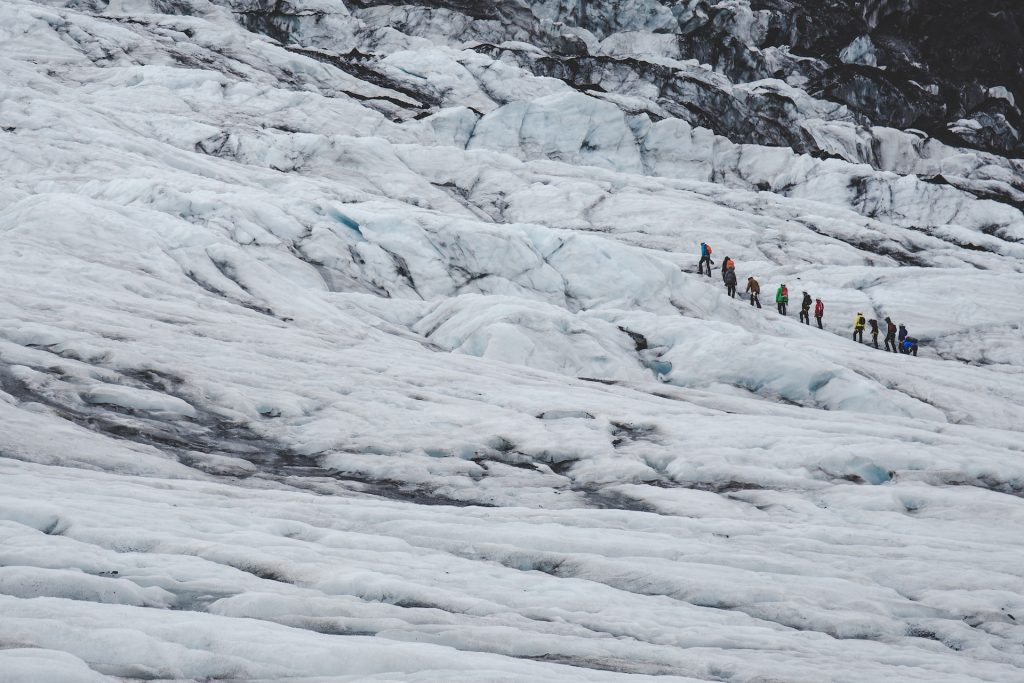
column 947, row 68
column 952, row 68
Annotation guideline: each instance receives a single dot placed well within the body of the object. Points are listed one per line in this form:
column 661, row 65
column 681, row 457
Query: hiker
column 705, row 259
column 910, row 346
column 874, row 331
column 902, row 335
column 890, row 335
column 755, row 291
column 858, row 327
column 782, row 298
column 726, row 265
column 730, row 282
column 819, row 311
column 805, row 309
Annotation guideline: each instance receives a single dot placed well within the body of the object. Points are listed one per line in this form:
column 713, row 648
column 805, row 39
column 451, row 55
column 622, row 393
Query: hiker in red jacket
column 819, row 312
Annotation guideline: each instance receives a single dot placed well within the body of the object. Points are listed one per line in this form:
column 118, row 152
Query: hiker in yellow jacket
column 859, row 321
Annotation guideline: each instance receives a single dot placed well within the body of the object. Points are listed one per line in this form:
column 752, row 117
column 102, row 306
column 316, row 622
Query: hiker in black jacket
column 874, row 331
column 805, row 309
column 730, row 282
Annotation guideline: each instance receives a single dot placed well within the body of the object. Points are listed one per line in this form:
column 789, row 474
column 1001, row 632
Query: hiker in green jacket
column 782, row 298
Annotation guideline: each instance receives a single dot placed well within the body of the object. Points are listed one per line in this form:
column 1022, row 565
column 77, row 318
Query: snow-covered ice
column 353, row 342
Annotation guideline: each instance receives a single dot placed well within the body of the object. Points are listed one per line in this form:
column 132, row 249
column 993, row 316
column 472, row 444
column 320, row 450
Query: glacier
column 365, row 342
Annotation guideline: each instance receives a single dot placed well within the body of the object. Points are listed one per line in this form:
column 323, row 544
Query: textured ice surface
column 394, row 365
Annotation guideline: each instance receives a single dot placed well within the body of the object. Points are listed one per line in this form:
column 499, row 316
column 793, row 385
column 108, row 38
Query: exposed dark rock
column 639, row 340
column 957, row 49
column 363, row 67
column 767, row 118
column 885, row 100
column 937, row 66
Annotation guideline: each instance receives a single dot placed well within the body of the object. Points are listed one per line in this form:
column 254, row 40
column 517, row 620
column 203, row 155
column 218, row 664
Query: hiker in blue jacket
column 705, row 259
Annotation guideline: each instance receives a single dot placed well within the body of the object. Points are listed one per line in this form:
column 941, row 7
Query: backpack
column 785, row 292
column 819, row 309
column 861, row 321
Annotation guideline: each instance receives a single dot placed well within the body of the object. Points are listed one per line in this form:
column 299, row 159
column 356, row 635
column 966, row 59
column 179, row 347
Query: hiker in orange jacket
column 727, row 265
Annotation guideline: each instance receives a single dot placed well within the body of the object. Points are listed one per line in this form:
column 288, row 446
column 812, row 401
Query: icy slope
column 363, row 343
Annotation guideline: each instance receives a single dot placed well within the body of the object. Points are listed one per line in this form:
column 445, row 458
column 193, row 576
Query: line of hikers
column 897, row 339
